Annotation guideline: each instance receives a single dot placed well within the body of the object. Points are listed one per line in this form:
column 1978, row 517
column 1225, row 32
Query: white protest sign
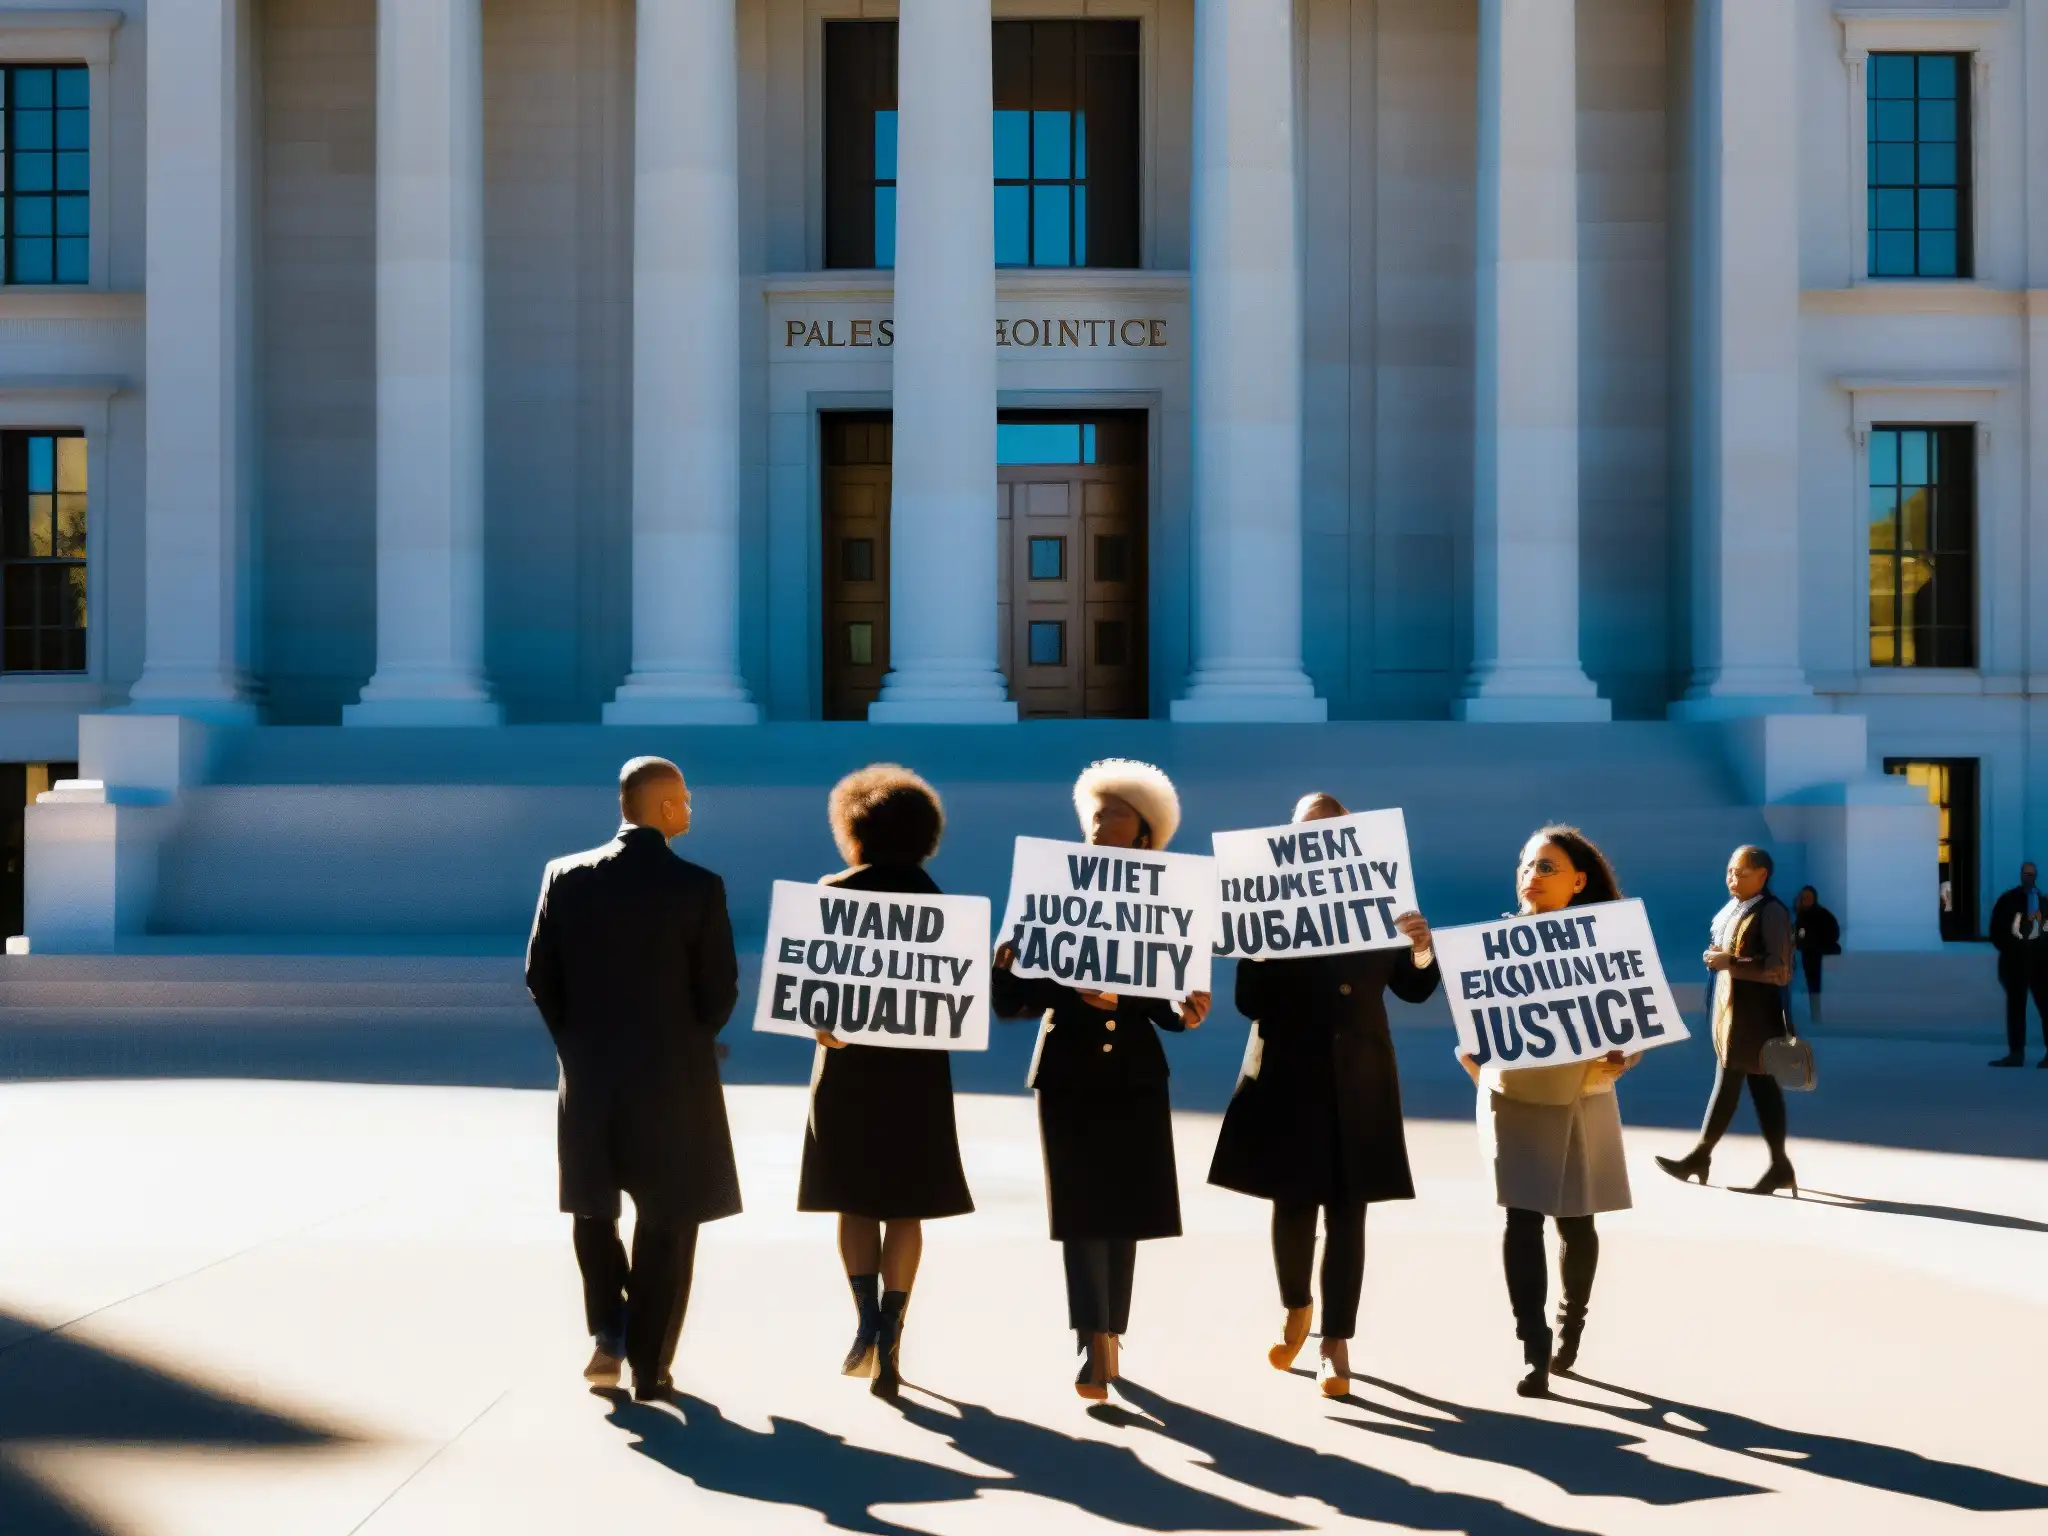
column 1119, row 920
column 1558, row 987
column 876, row 968
column 1316, row 887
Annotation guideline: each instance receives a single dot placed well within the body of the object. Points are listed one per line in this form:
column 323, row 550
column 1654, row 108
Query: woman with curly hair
column 1553, row 1134
column 881, row 1147
column 1104, row 1120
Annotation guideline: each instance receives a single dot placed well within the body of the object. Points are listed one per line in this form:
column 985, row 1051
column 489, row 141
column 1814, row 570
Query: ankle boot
column 1536, row 1355
column 1694, row 1165
column 1571, row 1323
column 889, row 1344
column 867, row 1291
column 1776, row 1177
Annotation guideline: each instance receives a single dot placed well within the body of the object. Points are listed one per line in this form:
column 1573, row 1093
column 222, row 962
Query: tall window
column 1951, row 787
column 1923, row 547
column 42, row 552
column 1919, row 165
column 1066, row 132
column 45, row 169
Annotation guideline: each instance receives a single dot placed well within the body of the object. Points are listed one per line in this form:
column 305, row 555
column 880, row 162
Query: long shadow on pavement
column 1883, row 1467
column 1581, row 1459
column 1927, row 1212
column 1352, row 1488
column 56, row 1390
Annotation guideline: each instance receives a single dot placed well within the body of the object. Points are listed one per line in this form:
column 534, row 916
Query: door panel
column 855, row 496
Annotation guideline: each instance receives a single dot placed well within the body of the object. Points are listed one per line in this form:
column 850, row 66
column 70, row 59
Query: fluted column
column 198, row 478
column 1744, row 362
column 1525, row 451
column 686, row 371
column 942, row 517
column 1246, row 312
column 430, row 379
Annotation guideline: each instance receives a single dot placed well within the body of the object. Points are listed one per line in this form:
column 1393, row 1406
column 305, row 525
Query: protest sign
column 1558, row 987
column 1314, row 888
column 876, row 968
column 1119, row 920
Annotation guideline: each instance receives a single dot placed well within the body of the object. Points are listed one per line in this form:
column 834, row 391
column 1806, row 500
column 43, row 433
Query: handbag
column 1789, row 1059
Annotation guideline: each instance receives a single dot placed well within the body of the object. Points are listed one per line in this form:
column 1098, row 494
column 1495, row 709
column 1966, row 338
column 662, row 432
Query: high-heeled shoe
column 1694, row 1165
column 1293, row 1334
column 1333, row 1371
column 1536, row 1355
column 867, row 1302
column 888, row 1380
column 1093, row 1381
column 1776, row 1177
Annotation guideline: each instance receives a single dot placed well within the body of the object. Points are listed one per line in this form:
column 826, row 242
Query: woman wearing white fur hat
column 1100, row 1073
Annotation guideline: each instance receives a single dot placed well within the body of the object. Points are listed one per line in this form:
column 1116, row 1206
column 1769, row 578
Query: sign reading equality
column 1119, row 920
column 1314, row 887
column 1558, row 986
column 876, row 968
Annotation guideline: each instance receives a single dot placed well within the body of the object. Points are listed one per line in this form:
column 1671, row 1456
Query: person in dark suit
column 631, row 963
column 1315, row 1121
column 1751, row 962
column 2020, row 936
column 1816, row 934
column 1099, row 1071
column 880, row 1146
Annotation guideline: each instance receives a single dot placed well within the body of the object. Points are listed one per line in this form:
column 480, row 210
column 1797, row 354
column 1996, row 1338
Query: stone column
column 1744, row 362
column 686, row 371
column 942, row 517
column 1525, row 449
column 430, row 361
column 1245, row 312
column 198, row 485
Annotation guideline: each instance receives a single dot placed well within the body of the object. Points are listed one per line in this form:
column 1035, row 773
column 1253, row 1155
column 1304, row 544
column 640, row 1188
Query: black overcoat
column 881, row 1139
column 1105, row 1123
column 2021, row 942
column 1316, row 1118
column 632, row 965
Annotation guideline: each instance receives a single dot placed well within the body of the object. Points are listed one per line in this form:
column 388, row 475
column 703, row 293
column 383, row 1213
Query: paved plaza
column 262, row 1303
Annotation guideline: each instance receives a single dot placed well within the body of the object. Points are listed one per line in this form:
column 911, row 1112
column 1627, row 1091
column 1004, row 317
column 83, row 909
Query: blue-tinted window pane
column 1937, row 165
column 1013, row 226
column 1891, row 122
column 1080, row 145
column 73, row 87
column 34, row 261
column 73, row 168
column 1891, row 74
column 1892, row 165
column 1913, row 458
column 1938, row 253
column 73, row 261
column 1937, row 210
column 1938, row 74
column 1038, row 442
column 1048, row 644
column 35, row 216
column 1891, row 255
column 1048, row 559
column 1938, row 121
column 885, row 146
column 42, row 464
column 1052, row 146
column 1088, row 443
column 1051, row 237
column 1081, row 229
column 34, row 88
column 74, row 130
column 33, row 173
column 1884, row 458
column 1013, row 146
column 1892, row 209
column 33, row 130
column 885, row 226
column 73, row 214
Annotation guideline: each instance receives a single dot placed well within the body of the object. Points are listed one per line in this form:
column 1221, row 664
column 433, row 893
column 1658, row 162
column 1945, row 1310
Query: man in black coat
column 631, row 963
column 2017, row 933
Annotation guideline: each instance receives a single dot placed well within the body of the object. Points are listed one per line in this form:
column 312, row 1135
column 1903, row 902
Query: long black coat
column 881, row 1139
column 1104, row 1121
column 2022, row 945
column 1316, row 1117
column 632, row 965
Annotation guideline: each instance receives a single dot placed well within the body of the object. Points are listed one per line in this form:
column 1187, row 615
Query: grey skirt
column 1555, row 1159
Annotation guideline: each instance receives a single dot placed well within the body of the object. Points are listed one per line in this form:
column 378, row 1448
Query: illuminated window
column 1922, row 547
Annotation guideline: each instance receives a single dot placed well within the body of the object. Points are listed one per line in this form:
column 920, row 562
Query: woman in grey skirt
column 1553, row 1135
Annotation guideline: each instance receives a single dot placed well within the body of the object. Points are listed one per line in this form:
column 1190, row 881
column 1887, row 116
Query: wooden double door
column 1070, row 582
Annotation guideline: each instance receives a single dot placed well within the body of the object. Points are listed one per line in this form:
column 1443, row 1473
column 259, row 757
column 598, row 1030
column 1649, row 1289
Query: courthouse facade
column 464, row 362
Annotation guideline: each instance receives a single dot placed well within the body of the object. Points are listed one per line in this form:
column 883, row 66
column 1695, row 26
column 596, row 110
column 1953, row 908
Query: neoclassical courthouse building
column 373, row 364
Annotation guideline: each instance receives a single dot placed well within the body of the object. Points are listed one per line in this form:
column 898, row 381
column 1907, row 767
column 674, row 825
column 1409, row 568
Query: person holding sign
column 1751, row 962
column 1099, row 1071
column 881, row 1147
column 1315, row 1122
column 1553, row 1134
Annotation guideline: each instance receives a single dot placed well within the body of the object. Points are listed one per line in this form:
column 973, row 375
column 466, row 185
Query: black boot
column 1696, row 1164
column 1571, row 1322
column 867, row 1291
column 888, row 1342
column 1536, row 1355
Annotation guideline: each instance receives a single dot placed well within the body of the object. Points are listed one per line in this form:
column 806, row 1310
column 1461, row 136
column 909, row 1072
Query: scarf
column 1730, row 917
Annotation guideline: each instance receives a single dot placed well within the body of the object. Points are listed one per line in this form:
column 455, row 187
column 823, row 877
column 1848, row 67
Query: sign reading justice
column 1558, row 987
column 1324, row 887
column 1122, row 920
column 876, row 969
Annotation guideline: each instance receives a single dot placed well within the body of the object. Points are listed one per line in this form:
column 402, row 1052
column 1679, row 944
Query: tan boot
column 1293, row 1334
